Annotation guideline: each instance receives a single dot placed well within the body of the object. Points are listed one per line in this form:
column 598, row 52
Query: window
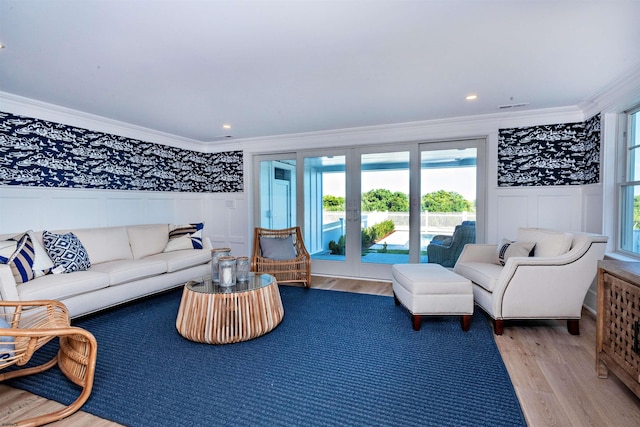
column 630, row 186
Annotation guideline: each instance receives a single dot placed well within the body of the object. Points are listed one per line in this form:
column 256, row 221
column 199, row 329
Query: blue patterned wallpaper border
column 40, row 153
column 559, row 154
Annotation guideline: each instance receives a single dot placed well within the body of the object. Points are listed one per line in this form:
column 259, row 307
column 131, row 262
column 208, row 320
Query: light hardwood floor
column 553, row 374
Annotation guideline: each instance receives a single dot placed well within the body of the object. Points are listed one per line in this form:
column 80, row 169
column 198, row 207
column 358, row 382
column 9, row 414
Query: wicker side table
column 212, row 314
column 618, row 322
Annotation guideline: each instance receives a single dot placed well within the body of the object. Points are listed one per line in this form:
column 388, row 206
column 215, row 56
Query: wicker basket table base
column 214, row 315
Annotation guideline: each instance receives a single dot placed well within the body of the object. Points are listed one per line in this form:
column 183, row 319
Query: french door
column 356, row 210
column 363, row 209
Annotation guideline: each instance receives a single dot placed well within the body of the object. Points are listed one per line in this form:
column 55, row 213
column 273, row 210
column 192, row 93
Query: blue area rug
column 337, row 358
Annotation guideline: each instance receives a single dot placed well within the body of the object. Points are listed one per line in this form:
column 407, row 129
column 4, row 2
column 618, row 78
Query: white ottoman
column 432, row 290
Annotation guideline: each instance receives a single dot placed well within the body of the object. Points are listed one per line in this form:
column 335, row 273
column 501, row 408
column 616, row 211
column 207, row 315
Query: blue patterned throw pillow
column 66, row 251
column 19, row 253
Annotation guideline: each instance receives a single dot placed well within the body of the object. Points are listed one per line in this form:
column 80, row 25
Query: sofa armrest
column 206, row 243
column 8, row 286
column 547, row 287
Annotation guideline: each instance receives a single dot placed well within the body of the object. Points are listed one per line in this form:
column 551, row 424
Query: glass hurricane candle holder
column 215, row 255
column 242, row 269
column 227, row 271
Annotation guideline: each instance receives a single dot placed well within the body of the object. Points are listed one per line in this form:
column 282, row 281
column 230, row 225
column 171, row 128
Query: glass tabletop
column 206, row 286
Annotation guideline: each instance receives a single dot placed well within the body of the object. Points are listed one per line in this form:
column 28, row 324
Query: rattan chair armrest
column 34, row 303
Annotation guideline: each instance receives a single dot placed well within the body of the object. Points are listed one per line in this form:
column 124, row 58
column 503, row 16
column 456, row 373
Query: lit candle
column 226, row 278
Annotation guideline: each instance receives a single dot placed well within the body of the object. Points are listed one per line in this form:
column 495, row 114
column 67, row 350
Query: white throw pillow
column 42, row 263
column 509, row 248
column 549, row 243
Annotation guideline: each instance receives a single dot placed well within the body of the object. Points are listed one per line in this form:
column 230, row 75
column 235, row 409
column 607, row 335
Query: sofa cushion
column 509, row 248
column 125, row 271
column 187, row 236
column 19, row 254
column 483, row 274
column 66, row 251
column 148, row 240
column 179, row 260
column 549, row 243
column 61, row 286
column 105, row 244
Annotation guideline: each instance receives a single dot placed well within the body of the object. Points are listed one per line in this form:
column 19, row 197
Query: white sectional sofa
column 127, row 262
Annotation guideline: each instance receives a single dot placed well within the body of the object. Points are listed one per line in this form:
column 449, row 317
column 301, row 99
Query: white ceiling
column 278, row 67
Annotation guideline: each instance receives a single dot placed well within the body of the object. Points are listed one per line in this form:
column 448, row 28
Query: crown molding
column 617, row 96
column 429, row 130
column 20, row 105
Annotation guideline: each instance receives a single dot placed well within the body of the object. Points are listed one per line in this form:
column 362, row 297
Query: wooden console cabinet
column 618, row 322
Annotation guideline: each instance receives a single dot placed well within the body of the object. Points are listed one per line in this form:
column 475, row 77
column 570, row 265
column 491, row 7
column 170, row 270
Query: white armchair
column 551, row 284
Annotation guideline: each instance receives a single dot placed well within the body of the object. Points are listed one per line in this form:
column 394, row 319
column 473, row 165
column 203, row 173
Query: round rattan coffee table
column 213, row 314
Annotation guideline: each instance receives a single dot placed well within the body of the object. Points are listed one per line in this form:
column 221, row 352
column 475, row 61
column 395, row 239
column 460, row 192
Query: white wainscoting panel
column 558, row 208
column 559, row 211
column 512, row 213
column 34, row 208
column 230, row 228
column 161, row 209
column 593, row 212
column 190, row 209
column 16, row 210
column 76, row 210
column 125, row 210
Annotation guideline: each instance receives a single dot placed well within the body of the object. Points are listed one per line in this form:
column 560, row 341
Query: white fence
column 430, row 222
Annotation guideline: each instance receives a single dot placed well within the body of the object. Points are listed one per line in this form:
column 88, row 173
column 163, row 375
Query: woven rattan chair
column 32, row 324
column 296, row 268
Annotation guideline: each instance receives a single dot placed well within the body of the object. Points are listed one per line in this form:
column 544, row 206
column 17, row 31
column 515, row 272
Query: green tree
column 333, row 203
column 445, row 201
column 383, row 200
column 636, row 212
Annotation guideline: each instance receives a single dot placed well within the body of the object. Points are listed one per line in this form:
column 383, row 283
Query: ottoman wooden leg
column 416, row 320
column 465, row 321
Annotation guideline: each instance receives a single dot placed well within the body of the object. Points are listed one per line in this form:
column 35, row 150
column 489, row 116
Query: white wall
column 34, row 208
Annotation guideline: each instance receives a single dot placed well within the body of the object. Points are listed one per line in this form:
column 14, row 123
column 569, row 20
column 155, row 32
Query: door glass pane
column 325, row 207
column 277, row 194
column 384, row 219
column 447, row 200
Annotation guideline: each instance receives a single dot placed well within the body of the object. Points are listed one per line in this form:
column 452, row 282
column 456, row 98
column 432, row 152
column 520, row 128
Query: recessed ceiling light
column 226, row 126
column 1, row 46
column 471, row 97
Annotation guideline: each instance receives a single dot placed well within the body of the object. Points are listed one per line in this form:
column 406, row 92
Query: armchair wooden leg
column 498, row 326
column 573, row 326
column 465, row 322
column 416, row 320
